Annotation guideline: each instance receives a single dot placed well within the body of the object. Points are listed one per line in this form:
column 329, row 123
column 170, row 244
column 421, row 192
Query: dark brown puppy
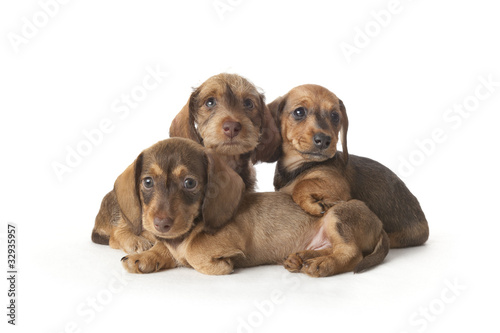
column 198, row 209
column 312, row 120
column 227, row 114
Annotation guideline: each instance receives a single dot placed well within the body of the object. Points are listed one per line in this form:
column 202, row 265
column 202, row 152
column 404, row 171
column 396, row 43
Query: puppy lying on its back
column 198, row 210
column 311, row 120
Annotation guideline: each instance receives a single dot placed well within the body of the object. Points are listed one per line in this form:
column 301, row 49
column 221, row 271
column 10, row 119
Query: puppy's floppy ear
column 223, row 194
column 343, row 131
column 183, row 124
column 276, row 109
column 270, row 140
column 269, row 150
column 127, row 194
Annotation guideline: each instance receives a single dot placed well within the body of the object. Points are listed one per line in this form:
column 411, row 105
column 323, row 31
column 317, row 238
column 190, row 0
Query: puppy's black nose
column 231, row 128
column 163, row 224
column 322, row 141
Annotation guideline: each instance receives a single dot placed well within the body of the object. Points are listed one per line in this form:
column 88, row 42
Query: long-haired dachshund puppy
column 312, row 120
column 227, row 114
column 197, row 208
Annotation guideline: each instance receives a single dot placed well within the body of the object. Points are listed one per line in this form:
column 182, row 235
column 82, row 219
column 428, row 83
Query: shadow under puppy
column 197, row 208
column 311, row 120
column 227, row 114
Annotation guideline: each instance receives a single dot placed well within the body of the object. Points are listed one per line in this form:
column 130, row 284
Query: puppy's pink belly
column 319, row 241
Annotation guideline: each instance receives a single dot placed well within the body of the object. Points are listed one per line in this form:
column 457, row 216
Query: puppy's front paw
column 131, row 244
column 137, row 244
column 293, row 263
column 145, row 262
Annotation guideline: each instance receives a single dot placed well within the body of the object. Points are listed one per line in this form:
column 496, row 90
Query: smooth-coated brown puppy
column 312, row 120
column 197, row 208
column 229, row 115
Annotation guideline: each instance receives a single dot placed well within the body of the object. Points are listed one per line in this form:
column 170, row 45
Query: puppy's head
column 311, row 120
column 228, row 114
column 175, row 184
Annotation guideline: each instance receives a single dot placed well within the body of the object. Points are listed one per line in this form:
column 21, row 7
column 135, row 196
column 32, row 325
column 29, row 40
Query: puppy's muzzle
column 231, row 128
column 163, row 224
column 322, row 141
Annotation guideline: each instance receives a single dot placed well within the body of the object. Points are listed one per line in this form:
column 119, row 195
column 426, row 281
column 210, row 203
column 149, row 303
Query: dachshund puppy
column 227, row 114
column 197, row 208
column 312, row 120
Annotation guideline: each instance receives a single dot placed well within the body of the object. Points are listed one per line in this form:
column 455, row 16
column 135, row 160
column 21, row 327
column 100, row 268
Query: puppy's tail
column 377, row 256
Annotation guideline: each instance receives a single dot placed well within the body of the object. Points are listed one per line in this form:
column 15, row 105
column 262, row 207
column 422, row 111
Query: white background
column 71, row 72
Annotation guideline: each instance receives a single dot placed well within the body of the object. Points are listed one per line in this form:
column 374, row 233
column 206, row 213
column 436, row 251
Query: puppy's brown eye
column 248, row 104
column 335, row 117
column 148, row 182
column 210, row 102
column 190, row 183
column 299, row 113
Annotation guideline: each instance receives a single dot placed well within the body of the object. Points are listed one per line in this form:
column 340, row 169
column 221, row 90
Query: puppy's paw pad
column 293, row 263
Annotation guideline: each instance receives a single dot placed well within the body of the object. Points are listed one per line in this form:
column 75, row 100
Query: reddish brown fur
column 217, row 226
column 319, row 178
